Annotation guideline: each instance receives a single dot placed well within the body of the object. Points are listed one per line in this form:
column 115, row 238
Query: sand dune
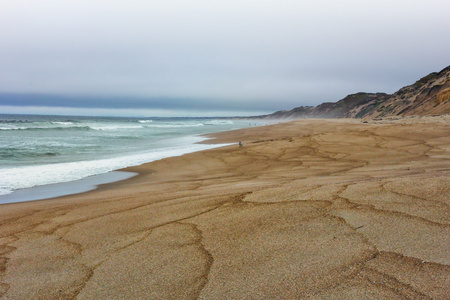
column 310, row 209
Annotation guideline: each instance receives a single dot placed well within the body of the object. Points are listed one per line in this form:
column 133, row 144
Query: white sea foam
column 145, row 121
column 30, row 176
column 114, row 127
column 12, row 127
column 41, row 127
column 185, row 125
column 62, row 123
column 219, row 122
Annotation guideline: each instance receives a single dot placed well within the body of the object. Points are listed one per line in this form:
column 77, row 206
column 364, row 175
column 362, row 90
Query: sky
column 211, row 58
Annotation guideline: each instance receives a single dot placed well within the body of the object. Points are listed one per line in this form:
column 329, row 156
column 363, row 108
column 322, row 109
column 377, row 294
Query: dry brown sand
column 310, row 209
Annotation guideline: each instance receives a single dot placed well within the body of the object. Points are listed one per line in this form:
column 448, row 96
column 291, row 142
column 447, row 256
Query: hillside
column 428, row 96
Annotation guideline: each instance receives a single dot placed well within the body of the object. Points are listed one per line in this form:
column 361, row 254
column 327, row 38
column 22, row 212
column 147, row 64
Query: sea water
column 44, row 150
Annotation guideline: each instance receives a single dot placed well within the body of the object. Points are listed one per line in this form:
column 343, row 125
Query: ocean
column 47, row 150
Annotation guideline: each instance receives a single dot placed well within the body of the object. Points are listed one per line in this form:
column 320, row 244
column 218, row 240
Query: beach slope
column 310, row 209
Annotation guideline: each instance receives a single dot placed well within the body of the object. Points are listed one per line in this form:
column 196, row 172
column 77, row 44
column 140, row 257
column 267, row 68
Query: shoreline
column 103, row 145
column 83, row 185
column 304, row 209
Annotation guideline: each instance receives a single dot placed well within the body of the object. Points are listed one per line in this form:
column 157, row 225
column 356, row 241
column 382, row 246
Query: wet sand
column 64, row 188
column 309, row 209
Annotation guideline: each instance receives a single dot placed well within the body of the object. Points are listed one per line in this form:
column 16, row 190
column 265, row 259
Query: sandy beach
column 309, row 209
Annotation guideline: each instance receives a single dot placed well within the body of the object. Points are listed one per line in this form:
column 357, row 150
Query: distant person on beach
column 240, row 144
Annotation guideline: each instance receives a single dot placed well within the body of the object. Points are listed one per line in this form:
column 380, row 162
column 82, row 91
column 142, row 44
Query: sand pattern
column 309, row 209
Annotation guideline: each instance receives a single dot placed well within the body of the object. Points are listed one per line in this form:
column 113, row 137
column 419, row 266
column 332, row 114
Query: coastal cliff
column 430, row 95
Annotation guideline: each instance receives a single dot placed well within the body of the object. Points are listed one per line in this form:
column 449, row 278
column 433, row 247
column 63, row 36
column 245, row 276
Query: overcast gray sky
column 178, row 57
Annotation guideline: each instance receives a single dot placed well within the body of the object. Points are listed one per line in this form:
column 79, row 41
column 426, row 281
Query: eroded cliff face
column 428, row 96
column 350, row 106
